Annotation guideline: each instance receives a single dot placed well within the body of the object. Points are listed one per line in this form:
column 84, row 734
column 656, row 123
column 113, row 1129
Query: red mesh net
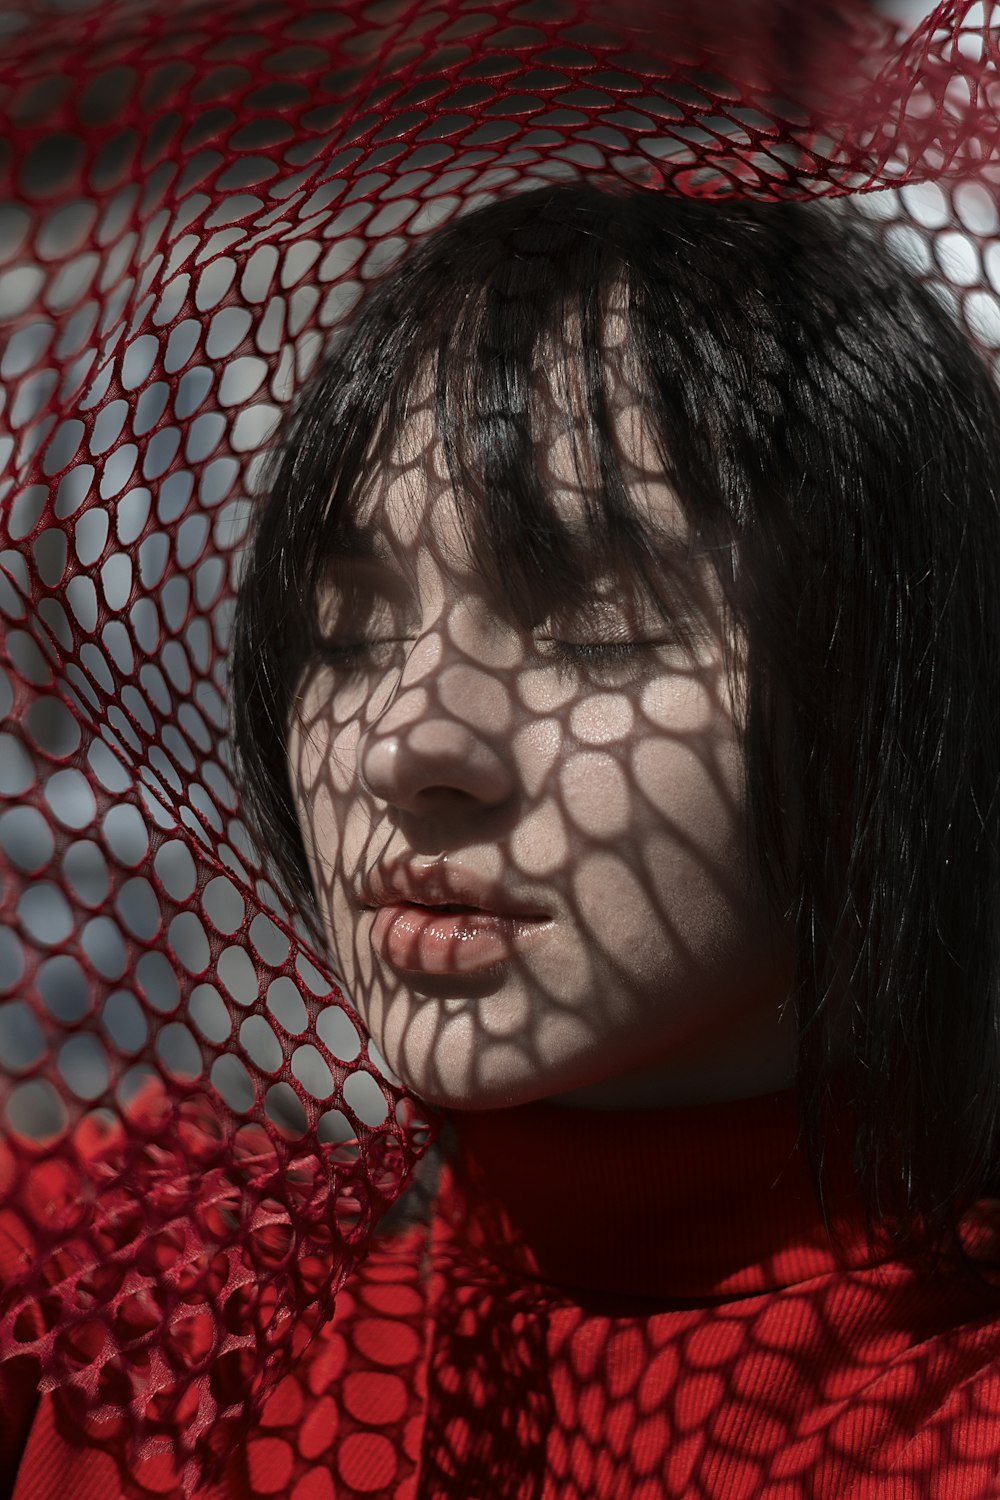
column 198, row 1138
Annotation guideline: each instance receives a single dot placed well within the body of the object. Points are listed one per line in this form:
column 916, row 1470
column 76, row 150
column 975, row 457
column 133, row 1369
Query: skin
column 605, row 794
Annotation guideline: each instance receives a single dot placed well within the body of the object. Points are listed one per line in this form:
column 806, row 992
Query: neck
column 711, row 1201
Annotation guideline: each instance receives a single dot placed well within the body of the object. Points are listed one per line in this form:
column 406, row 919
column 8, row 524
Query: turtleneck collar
column 688, row 1204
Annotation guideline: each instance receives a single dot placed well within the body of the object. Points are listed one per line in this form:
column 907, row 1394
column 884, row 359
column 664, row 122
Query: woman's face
column 528, row 846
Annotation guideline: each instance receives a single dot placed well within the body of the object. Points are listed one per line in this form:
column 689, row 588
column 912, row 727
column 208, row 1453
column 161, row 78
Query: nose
column 436, row 743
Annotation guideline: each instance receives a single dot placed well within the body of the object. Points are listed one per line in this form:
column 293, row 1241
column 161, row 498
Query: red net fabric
column 198, row 1139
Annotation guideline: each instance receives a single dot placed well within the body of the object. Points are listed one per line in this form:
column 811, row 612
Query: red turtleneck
column 637, row 1304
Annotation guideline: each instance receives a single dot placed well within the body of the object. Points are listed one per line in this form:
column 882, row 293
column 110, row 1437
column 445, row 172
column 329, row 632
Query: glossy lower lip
column 426, row 940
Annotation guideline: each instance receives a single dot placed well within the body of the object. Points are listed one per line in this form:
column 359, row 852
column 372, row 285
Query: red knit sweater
column 634, row 1305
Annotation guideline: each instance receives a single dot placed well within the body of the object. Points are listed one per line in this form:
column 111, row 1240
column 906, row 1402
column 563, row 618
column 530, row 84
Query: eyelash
column 597, row 655
column 345, row 656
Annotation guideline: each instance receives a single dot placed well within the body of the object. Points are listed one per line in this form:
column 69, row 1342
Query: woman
column 613, row 682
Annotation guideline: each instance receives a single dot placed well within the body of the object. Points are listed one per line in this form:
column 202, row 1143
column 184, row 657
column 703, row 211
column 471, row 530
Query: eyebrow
column 355, row 546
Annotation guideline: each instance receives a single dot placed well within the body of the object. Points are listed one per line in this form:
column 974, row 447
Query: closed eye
column 609, row 651
column 621, row 658
column 357, row 656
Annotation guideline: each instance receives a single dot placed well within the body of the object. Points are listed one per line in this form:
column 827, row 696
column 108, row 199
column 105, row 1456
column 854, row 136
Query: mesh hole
column 338, row 1033
column 223, row 905
column 269, row 942
column 260, row 1044
column 285, row 1110
column 50, row 551
column 28, row 659
column 81, row 596
column 335, row 1129
column 71, row 799
column 313, row 979
column 106, row 431
column 63, row 987
column 26, row 511
column 286, row 1006
column 139, row 360
column 85, row 871
column 118, row 470
column 176, row 869
column 232, row 1082
column 51, row 612
column 90, row 536
column 51, row 728
column 179, row 1052
column 189, row 943
column 238, row 976
column 208, row 1012
column 312, row 1072
column 139, row 910
column 119, row 647
column 161, row 452
column 365, row 1098
column 193, row 390
column 103, row 944
column 144, row 619
column 22, row 1043
column 36, row 1111
column 45, row 915
column 19, row 290
column 83, row 1064
column 125, row 834
column 123, row 1021
column 13, row 602
column 107, row 766
column 26, row 840
column 158, row 983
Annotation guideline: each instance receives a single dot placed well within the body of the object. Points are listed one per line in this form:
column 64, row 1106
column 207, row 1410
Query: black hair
column 833, row 441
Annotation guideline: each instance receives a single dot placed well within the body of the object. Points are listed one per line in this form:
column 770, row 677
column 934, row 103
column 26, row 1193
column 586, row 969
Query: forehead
column 408, row 502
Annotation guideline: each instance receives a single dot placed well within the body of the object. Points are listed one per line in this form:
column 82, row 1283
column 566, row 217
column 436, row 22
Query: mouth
column 440, row 919
column 450, row 938
column 446, row 906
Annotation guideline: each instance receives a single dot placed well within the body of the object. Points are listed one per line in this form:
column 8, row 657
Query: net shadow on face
column 524, row 817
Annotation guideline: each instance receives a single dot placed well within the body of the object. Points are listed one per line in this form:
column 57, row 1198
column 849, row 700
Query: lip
column 415, row 931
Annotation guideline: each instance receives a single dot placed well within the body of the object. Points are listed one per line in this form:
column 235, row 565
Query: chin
column 460, row 1094
column 460, row 1084
column 473, row 1052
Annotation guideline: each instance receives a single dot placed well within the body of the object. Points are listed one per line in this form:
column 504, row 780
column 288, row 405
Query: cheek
column 602, row 719
column 693, row 849
column 687, row 764
column 322, row 764
column 595, row 792
column 690, row 785
column 621, row 916
column 664, row 817
column 540, row 843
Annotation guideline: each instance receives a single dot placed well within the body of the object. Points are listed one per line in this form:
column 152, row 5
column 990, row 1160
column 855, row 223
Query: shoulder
column 927, row 1420
column 953, row 1450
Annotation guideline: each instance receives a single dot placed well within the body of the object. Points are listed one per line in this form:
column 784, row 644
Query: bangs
column 525, row 380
